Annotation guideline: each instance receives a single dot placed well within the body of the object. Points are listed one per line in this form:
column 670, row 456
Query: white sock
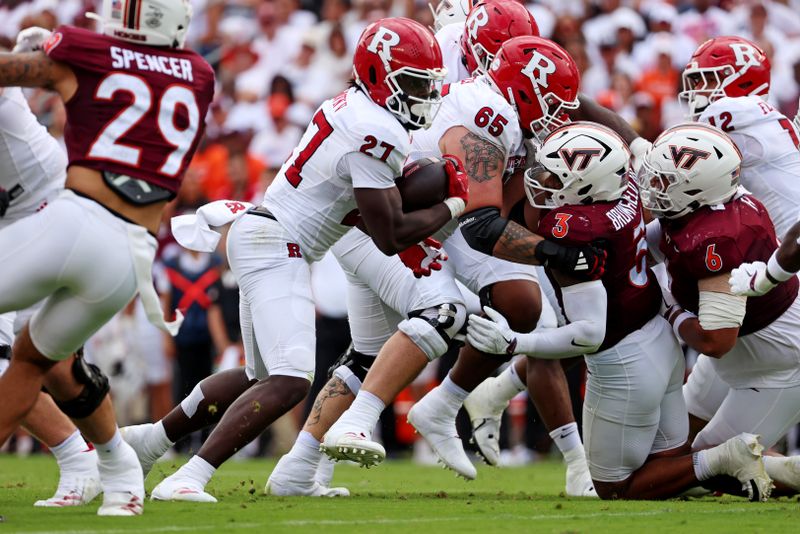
column 506, row 386
column 198, row 470
column 364, row 412
column 450, row 397
column 158, row 441
column 306, row 447
column 108, row 450
column 71, row 449
column 702, row 468
column 566, row 437
column 516, row 381
column 300, row 464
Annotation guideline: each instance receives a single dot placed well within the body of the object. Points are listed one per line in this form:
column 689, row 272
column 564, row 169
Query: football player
column 726, row 84
column 135, row 102
column 449, row 12
column 706, row 227
column 634, row 417
column 345, row 165
column 32, row 173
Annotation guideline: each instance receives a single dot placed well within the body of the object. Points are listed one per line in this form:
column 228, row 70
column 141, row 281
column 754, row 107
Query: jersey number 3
column 107, row 145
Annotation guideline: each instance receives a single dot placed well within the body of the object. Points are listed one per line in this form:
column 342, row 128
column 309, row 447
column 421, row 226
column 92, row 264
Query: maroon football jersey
column 634, row 296
column 138, row 110
column 712, row 241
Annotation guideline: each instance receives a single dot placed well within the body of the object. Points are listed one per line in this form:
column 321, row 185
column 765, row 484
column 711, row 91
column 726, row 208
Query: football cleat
column 174, row 488
column 121, row 504
column 740, row 457
column 485, row 413
column 314, row 490
column 137, row 437
column 352, row 446
column 441, row 434
column 78, row 484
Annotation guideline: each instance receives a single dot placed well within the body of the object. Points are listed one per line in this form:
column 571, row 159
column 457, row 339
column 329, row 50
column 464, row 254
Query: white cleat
column 121, row 504
column 137, row 437
column 579, row 482
column 174, row 488
column 78, row 485
column 441, row 434
column 123, row 483
column 740, row 457
column 485, row 414
column 324, row 473
column 352, row 446
column 789, row 472
column 314, row 490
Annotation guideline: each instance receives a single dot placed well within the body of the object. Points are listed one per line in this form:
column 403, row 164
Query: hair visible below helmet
column 490, row 24
column 724, row 66
column 449, row 12
column 399, row 65
column 540, row 80
column 591, row 162
column 146, row 22
column 689, row 166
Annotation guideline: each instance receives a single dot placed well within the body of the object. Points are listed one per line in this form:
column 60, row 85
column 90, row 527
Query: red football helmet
column 490, row 24
column 399, row 65
column 724, row 66
column 540, row 80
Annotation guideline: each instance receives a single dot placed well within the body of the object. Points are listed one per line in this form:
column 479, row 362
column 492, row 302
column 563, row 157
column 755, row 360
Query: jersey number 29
column 107, row 145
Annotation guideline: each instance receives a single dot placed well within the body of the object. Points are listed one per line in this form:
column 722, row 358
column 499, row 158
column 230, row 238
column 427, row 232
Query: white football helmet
column 449, row 12
column 689, row 166
column 146, row 22
column 589, row 161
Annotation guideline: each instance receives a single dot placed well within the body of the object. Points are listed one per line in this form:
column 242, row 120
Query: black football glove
column 5, row 200
column 586, row 262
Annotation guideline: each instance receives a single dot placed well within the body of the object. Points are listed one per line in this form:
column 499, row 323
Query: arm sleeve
column 653, row 238
column 586, row 306
column 367, row 172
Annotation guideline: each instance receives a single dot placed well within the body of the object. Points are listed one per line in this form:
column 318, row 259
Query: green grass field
column 395, row 497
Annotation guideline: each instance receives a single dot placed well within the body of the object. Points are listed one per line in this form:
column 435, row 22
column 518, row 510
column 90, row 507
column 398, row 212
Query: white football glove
column 31, row 39
column 492, row 335
column 750, row 280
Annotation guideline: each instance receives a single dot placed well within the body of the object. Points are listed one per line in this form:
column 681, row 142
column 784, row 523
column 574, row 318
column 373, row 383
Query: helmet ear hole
column 373, row 76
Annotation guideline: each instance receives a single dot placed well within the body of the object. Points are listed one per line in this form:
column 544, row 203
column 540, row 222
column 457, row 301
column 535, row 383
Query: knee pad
column 351, row 368
column 434, row 329
column 95, row 389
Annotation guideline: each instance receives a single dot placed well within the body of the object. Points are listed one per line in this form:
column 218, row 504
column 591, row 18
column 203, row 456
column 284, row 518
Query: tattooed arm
column 35, row 69
column 484, row 162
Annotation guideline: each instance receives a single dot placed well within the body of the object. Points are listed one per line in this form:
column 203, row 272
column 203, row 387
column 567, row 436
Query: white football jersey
column 449, row 39
column 770, row 155
column 32, row 163
column 474, row 104
column 312, row 195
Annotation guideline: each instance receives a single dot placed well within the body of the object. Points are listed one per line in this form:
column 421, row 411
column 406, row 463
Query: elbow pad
column 482, row 228
column 720, row 310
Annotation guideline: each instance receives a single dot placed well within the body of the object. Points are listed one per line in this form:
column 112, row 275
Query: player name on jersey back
column 123, row 58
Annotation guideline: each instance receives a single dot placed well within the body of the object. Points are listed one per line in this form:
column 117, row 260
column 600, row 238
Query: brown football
column 422, row 184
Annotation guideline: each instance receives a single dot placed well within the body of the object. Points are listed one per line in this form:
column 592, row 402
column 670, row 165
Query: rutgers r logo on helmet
column 539, row 68
column 746, row 55
column 687, row 157
column 382, row 43
column 477, row 18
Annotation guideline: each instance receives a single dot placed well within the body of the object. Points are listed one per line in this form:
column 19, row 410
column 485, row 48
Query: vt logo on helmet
column 398, row 64
column 686, row 157
column 490, row 24
column 724, row 66
column 540, row 80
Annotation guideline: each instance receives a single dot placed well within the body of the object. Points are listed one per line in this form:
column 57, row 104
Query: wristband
column 456, row 205
column 775, row 273
column 678, row 321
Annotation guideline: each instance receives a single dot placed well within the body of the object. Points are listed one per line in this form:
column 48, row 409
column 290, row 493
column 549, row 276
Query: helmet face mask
column 689, row 166
column 449, row 12
column 416, row 96
column 724, row 66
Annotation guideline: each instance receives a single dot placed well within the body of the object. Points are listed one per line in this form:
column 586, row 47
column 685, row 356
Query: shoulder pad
column 731, row 114
column 372, row 129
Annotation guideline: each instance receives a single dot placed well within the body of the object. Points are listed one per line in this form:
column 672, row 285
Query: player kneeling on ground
column 634, row 418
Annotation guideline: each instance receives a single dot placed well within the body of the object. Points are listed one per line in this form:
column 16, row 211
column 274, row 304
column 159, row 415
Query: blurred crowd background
column 276, row 61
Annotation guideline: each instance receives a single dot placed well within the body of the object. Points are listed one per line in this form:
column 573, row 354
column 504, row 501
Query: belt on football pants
column 261, row 211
